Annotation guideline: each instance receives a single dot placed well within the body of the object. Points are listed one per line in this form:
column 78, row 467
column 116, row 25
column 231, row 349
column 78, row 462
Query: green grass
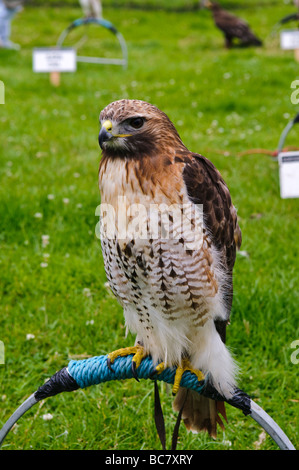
column 220, row 101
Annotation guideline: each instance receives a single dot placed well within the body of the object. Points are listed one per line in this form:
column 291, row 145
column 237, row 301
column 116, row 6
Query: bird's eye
column 136, row 123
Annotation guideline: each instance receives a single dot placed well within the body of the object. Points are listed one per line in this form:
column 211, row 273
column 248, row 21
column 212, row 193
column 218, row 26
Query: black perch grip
column 239, row 399
column 59, row 382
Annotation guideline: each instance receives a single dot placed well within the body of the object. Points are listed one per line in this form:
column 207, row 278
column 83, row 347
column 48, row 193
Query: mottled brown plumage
column 175, row 285
column 233, row 27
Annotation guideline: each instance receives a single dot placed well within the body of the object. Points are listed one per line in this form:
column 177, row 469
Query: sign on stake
column 289, row 40
column 288, row 165
column 289, row 174
column 54, row 60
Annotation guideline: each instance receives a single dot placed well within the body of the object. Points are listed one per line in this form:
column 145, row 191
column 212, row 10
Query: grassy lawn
column 54, row 301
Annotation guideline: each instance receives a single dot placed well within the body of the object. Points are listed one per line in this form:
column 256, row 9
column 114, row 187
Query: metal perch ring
column 93, row 371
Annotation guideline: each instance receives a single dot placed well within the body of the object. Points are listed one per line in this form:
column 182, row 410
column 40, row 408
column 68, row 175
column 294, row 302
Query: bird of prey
column 232, row 26
column 91, row 8
column 169, row 252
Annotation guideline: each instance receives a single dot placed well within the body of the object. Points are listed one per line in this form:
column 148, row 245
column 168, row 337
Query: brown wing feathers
column 205, row 186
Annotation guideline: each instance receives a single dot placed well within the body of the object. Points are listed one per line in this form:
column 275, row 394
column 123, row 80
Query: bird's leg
column 228, row 42
column 160, row 367
column 183, row 367
column 138, row 354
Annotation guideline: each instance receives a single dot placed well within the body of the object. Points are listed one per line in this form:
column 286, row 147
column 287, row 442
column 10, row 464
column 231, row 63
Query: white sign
column 289, row 174
column 54, row 59
column 289, row 39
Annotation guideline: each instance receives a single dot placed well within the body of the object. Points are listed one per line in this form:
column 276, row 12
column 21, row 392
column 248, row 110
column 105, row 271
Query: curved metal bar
column 93, row 371
column 26, row 405
column 97, row 60
column 270, row 426
column 285, row 132
column 284, row 135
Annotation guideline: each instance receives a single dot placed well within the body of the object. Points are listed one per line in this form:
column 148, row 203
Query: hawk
column 232, row 26
column 173, row 279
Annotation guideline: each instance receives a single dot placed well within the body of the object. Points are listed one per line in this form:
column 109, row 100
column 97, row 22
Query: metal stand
column 288, row 165
column 286, row 131
column 97, row 60
column 94, row 371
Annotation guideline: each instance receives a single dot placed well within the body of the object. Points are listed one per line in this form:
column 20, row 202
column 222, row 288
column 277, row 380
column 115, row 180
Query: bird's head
column 212, row 5
column 132, row 128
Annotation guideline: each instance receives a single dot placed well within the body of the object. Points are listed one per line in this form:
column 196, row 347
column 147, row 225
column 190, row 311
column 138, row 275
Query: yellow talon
column 160, row 367
column 138, row 352
column 185, row 366
column 138, row 356
column 121, row 353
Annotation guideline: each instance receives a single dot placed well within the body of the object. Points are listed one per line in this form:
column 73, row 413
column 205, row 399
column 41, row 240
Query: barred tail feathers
column 199, row 413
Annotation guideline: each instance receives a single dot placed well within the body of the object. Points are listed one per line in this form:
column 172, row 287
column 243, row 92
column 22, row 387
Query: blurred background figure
column 8, row 9
column 232, row 26
column 91, row 8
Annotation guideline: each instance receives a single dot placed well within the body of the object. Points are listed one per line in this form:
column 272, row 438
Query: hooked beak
column 106, row 133
column 104, row 136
